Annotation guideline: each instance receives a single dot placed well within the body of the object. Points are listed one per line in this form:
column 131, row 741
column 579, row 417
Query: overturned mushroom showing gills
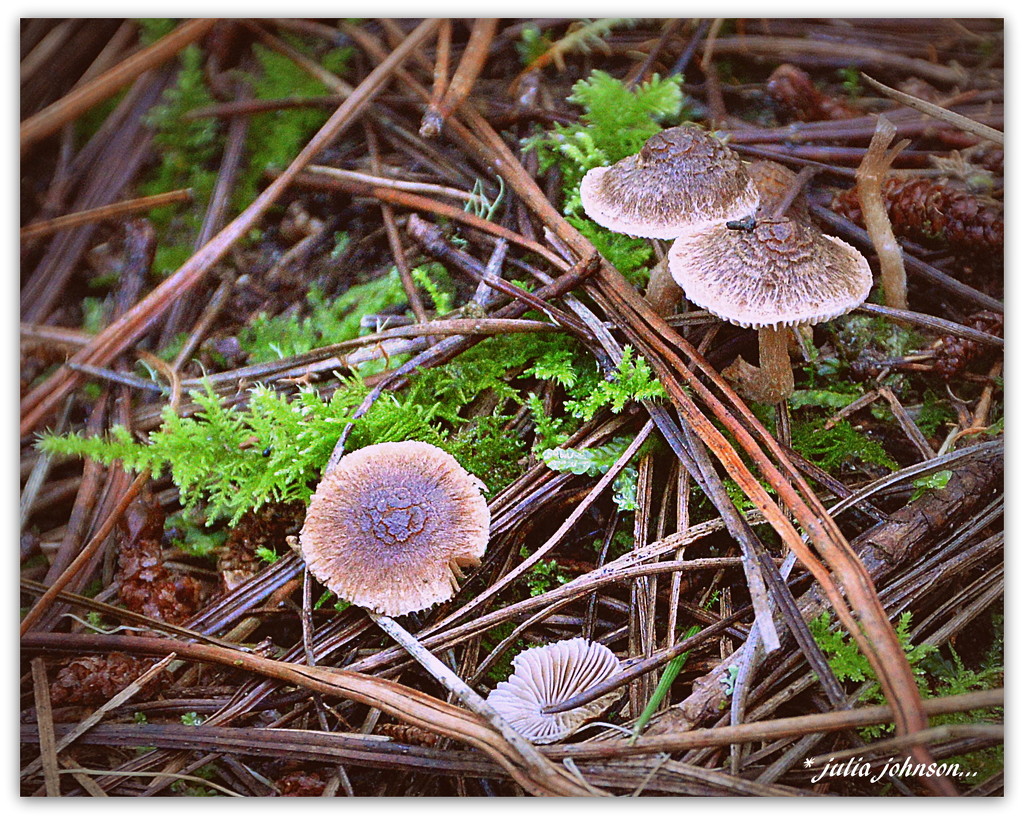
column 681, row 180
column 779, row 274
column 391, row 525
column 549, row 675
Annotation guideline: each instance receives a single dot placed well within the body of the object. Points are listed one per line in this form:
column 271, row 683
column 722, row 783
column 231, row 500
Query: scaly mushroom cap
column 549, row 675
column 682, row 179
column 781, row 273
column 390, row 526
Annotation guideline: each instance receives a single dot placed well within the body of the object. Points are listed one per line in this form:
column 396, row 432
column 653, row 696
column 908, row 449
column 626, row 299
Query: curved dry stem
column 457, row 686
column 870, row 176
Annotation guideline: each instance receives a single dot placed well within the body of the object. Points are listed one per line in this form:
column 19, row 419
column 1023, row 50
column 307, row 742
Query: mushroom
column 551, row 674
column 779, row 274
column 391, row 525
column 683, row 179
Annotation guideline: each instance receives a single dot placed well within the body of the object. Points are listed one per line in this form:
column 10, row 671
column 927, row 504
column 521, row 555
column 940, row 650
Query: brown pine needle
column 114, row 211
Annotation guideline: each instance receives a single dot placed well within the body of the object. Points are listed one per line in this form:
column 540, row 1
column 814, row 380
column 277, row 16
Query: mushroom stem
column 663, row 293
column 776, row 370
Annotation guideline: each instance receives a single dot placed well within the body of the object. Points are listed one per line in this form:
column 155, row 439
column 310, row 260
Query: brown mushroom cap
column 682, row 179
column 773, row 181
column 390, row 526
column 781, row 273
column 551, row 674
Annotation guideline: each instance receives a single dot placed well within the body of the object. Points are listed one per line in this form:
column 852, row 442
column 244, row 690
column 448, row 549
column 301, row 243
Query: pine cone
column 933, row 213
column 146, row 585
column 301, row 783
column 408, row 734
column 954, row 353
column 267, row 526
column 94, row 680
column 794, row 91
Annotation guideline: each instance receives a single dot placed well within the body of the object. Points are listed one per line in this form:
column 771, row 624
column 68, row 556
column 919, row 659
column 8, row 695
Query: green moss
column 437, row 284
column 832, row 448
column 828, row 399
column 934, row 415
column 212, row 457
column 502, row 668
column 849, row 665
column 952, row 676
column 544, row 576
column 329, row 321
column 192, row 536
column 852, row 84
column 615, row 123
column 272, row 448
column 232, row 459
column 267, row 555
column 595, row 461
column 187, row 150
column 627, row 254
column 93, row 314
column 532, row 44
column 939, row 673
column 276, row 137
column 633, row 380
column 152, row 29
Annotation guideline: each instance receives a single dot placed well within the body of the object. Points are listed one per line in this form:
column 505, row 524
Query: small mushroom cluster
column 735, row 252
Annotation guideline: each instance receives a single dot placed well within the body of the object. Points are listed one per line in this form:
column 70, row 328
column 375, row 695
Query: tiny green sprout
column 192, row 536
column 139, row 718
column 728, row 680
column 938, row 480
column 93, row 310
column 267, row 555
column 192, row 718
column 532, row 44
column 851, row 82
column 480, row 205
column 341, row 242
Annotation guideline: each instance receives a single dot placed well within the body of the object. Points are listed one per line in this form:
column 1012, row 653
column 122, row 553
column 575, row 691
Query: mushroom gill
column 549, row 675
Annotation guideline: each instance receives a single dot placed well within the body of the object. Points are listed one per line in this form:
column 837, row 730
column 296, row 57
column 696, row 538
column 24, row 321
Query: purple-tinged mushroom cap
column 391, row 525
column 782, row 273
column 681, row 180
